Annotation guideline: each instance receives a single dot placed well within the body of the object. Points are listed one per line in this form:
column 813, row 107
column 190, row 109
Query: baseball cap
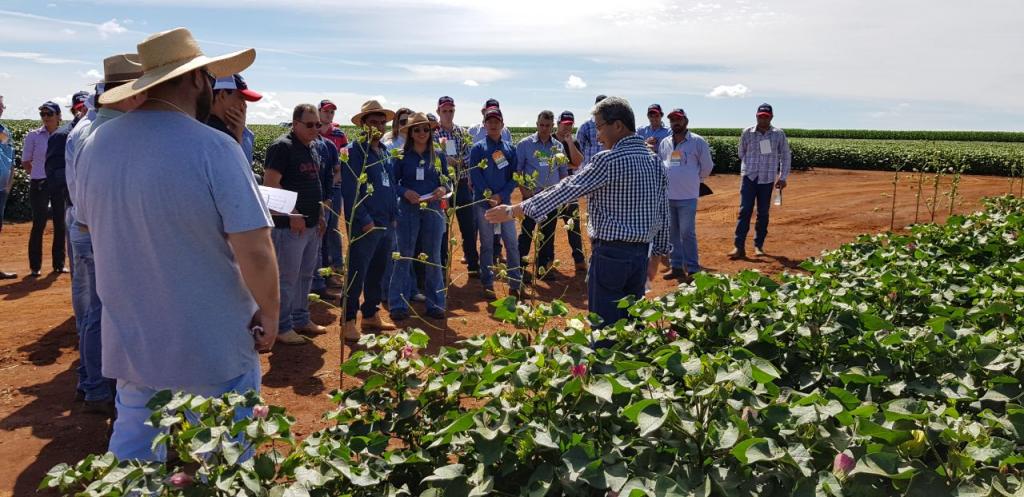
column 237, row 82
column 434, row 123
column 677, row 112
column 445, row 101
column 566, row 117
column 600, row 98
column 764, row 109
column 324, row 104
column 50, row 106
column 492, row 112
column 79, row 99
column 491, row 103
column 655, row 107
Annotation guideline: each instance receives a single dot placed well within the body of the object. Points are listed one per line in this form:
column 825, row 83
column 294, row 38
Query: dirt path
column 40, row 426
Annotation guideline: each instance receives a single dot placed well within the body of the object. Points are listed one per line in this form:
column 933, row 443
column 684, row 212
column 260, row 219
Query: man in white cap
column 94, row 389
column 230, row 100
column 184, row 263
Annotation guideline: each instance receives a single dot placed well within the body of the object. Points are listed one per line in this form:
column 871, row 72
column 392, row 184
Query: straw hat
column 372, row 107
column 170, row 54
column 416, row 119
column 121, row 68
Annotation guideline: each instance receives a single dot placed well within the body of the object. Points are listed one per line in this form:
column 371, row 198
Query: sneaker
column 350, row 332
column 35, row 273
column 737, row 253
column 7, row 276
column 378, row 322
column 289, row 337
column 758, row 251
column 436, row 313
column 60, row 270
column 312, row 328
column 675, row 273
column 419, row 297
column 399, row 315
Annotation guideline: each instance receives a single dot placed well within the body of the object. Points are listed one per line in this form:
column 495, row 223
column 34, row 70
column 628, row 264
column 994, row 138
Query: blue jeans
column 87, row 307
column 427, row 226
column 752, row 191
column 509, row 238
column 368, row 258
column 684, row 234
column 132, row 437
column 330, row 246
column 297, row 258
column 617, row 269
column 466, row 214
column 3, row 205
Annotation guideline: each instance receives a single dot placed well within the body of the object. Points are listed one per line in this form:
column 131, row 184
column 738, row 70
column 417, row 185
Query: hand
column 780, row 184
column 297, row 223
column 499, row 214
column 368, row 227
column 234, row 119
column 652, row 267
column 321, row 226
column 495, row 199
column 412, row 197
column 265, row 339
column 439, row 193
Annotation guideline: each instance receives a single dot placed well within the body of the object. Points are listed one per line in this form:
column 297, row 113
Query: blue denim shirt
column 406, row 174
column 492, row 178
column 328, row 160
column 659, row 134
column 6, row 156
column 381, row 206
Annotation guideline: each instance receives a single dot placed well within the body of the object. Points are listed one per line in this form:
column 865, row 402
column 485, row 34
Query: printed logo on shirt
column 499, row 159
column 309, row 169
column 676, row 159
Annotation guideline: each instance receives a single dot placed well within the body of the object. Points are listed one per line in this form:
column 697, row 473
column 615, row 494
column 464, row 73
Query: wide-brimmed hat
column 167, row 55
column 416, row 119
column 372, row 107
column 121, row 68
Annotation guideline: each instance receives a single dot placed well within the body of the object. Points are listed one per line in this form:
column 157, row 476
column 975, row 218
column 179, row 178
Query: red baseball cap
column 677, row 112
column 327, row 105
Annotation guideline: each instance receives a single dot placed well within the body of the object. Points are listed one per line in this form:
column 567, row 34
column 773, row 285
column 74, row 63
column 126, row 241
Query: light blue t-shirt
column 6, row 155
column 160, row 191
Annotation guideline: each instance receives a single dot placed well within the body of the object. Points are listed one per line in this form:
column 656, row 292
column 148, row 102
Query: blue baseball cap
column 50, row 106
column 764, row 110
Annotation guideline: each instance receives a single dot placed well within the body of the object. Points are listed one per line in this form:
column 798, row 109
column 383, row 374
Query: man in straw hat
column 370, row 214
column 184, row 262
column 95, row 390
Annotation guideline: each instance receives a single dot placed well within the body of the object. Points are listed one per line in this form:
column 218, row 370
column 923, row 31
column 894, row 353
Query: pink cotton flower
column 181, row 480
column 408, row 352
column 843, row 464
column 578, row 370
column 671, row 335
column 260, row 411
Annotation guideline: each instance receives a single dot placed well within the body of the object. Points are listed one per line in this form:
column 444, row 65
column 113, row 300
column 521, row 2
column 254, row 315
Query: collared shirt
column 686, row 165
column 586, row 137
column 659, row 133
column 34, row 151
column 335, row 135
column 625, row 189
column 6, row 156
column 299, row 166
column 56, row 148
column 479, row 133
column 459, row 148
column 393, row 143
column 528, row 162
column 379, row 207
column 329, row 158
column 497, row 176
column 764, row 156
column 71, row 149
column 420, row 173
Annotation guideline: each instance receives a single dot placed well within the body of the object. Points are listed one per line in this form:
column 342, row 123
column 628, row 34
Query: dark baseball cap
column 656, row 108
column 445, row 101
column 677, row 112
column 325, row 103
column 491, row 103
column 434, row 123
column 50, row 106
column 566, row 117
column 764, row 110
column 492, row 111
column 600, row 98
column 79, row 99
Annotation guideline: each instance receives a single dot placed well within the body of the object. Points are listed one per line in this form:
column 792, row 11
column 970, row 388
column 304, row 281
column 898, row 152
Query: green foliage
column 893, row 367
column 881, row 134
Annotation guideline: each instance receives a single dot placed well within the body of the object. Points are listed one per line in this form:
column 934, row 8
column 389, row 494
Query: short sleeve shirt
column 299, row 166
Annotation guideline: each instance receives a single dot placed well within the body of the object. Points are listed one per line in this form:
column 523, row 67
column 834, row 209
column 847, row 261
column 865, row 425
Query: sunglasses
column 421, row 129
column 210, row 77
column 316, row 125
column 46, row 113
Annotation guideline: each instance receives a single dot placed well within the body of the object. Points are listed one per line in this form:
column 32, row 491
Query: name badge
column 449, row 147
column 766, row 146
column 499, row 159
column 420, row 173
column 543, row 164
column 676, row 160
column 385, row 179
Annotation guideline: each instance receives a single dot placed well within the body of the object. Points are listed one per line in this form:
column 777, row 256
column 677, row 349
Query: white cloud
column 479, row 74
column 68, row 31
column 4, row 75
column 39, row 58
column 268, row 110
column 729, row 91
column 575, row 82
column 470, row 82
column 896, row 111
column 111, row 27
column 61, row 101
column 92, row 74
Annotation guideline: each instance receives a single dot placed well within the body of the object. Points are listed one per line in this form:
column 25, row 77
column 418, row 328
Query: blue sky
column 896, row 64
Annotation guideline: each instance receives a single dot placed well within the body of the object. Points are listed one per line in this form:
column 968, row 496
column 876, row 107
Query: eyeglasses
column 210, row 77
column 421, row 129
column 46, row 113
column 316, row 125
column 601, row 125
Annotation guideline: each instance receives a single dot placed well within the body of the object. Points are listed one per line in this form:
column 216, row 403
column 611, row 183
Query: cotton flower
column 408, row 352
column 842, row 465
column 181, row 480
column 578, row 370
column 260, row 411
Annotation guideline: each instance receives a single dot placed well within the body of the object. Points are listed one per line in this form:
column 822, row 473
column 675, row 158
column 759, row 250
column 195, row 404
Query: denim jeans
column 617, row 270
column 465, row 213
column 330, row 246
column 88, row 309
column 684, row 234
column 3, row 205
column 426, row 226
column 368, row 258
column 132, row 437
column 750, row 192
column 546, row 253
column 571, row 212
column 297, row 258
column 508, row 237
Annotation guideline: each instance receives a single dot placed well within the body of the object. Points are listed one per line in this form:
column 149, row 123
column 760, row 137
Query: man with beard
column 184, row 262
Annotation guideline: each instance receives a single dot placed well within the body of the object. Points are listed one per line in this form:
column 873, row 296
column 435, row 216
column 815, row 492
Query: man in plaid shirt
column 765, row 160
column 455, row 143
column 586, row 136
column 628, row 221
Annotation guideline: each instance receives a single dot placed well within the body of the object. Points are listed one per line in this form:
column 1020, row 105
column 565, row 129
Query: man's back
column 159, row 192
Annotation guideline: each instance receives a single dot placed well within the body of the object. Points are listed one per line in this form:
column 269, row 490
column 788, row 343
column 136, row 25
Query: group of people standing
column 179, row 280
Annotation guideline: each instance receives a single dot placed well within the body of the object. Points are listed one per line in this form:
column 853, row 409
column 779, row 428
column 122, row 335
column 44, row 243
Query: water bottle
column 778, row 197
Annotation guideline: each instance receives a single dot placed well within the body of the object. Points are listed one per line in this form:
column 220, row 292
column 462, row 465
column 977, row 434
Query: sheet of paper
column 426, row 196
column 766, row 146
column 449, row 148
column 278, row 201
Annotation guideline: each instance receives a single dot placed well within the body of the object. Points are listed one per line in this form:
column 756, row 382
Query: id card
column 676, row 159
column 420, row 173
column 766, row 146
column 449, row 148
column 499, row 159
column 385, row 179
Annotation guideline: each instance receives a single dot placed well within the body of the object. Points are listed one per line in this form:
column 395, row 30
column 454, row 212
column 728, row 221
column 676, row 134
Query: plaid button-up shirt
column 764, row 156
column 586, row 137
column 460, row 138
column 626, row 200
